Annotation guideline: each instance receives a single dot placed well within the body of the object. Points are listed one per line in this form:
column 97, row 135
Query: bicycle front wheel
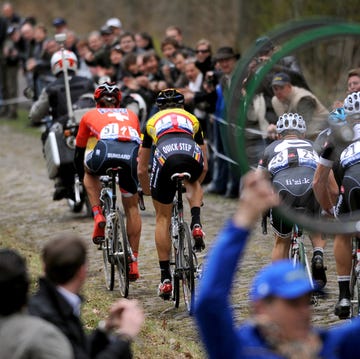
column 188, row 274
column 122, row 253
column 107, row 246
column 354, row 281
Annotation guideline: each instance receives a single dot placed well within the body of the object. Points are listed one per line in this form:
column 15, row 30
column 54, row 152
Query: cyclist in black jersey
column 291, row 161
column 178, row 143
column 343, row 158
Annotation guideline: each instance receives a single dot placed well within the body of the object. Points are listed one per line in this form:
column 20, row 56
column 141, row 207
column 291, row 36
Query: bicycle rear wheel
column 122, row 254
column 107, row 247
column 188, row 274
column 175, row 275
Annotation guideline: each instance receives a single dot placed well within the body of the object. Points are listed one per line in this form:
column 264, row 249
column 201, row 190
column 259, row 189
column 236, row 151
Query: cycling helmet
column 107, row 95
column 337, row 116
column 352, row 103
column 57, row 61
column 170, row 98
column 292, row 122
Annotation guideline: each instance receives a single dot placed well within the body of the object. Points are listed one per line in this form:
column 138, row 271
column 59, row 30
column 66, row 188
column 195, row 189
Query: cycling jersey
column 288, row 153
column 177, row 136
column 173, row 120
column 292, row 164
column 344, row 158
column 118, row 124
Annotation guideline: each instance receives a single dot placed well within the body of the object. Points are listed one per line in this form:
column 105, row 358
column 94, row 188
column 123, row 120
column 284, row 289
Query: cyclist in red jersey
column 179, row 147
column 117, row 131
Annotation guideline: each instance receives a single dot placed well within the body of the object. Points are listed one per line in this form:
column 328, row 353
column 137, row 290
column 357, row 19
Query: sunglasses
column 202, row 51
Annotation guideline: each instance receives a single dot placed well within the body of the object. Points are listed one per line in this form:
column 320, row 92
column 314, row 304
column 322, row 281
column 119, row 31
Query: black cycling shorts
column 349, row 199
column 294, row 186
column 109, row 154
column 175, row 153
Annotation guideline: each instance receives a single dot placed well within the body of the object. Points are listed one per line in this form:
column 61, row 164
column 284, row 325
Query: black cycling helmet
column 107, row 95
column 170, row 98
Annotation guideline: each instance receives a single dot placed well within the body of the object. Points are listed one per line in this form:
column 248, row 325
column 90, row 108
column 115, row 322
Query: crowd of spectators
column 130, row 59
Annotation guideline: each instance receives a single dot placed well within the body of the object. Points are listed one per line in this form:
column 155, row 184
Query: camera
column 211, row 78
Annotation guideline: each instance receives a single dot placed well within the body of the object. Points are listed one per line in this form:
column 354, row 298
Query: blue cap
column 280, row 279
column 59, row 21
column 280, row 79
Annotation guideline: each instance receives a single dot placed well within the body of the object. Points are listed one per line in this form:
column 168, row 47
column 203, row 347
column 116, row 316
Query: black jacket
column 50, row 305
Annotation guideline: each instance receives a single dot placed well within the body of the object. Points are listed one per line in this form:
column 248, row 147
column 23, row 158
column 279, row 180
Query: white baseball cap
column 113, row 22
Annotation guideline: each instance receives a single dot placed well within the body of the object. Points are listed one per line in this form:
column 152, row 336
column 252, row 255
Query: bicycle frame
column 117, row 251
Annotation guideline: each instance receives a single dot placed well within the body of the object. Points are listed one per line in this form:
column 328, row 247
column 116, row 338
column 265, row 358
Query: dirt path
column 30, row 215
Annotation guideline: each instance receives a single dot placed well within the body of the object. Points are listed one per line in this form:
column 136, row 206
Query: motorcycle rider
column 52, row 102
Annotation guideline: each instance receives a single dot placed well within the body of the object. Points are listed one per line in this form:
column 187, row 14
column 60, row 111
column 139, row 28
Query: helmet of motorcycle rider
column 170, row 98
column 290, row 122
column 57, row 64
column 107, row 95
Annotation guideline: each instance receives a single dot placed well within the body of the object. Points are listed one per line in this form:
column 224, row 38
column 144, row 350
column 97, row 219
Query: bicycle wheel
column 354, row 282
column 188, row 274
column 122, row 254
column 107, row 250
column 175, row 276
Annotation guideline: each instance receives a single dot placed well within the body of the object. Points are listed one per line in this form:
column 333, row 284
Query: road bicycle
column 184, row 263
column 298, row 255
column 355, row 278
column 116, row 249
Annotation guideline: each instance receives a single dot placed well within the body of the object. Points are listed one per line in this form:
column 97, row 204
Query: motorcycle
column 58, row 141
column 59, row 149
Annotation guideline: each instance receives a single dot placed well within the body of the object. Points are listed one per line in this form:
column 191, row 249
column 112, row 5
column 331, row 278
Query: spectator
column 57, row 301
column 116, row 26
column 203, row 53
column 176, row 33
column 280, row 323
column 60, row 25
column 13, row 48
column 21, row 335
column 10, row 14
column 224, row 180
column 144, row 41
column 127, row 42
column 353, row 85
column 289, row 98
column 152, row 70
column 116, row 58
column 82, row 48
column 179, row 60
column 28, row 34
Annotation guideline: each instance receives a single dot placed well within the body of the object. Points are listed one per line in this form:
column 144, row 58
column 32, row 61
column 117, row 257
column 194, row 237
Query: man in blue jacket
column 280, row 326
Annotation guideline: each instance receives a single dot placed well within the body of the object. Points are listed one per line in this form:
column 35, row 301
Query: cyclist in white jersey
column 343, row 157
column 291, row 162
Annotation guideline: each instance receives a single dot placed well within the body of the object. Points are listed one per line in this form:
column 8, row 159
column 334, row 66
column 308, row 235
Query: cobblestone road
column 29, row 214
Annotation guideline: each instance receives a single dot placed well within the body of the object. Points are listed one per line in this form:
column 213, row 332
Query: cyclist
column 291, row 161
column 343, row 157
column 52, row 101
column 117, row 131
column 179, row 147
column 281, row 314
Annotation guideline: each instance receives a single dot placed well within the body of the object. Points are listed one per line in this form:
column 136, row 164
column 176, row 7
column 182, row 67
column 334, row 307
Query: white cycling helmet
column 57, row 61
column 352, row 103
column 290, row 121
